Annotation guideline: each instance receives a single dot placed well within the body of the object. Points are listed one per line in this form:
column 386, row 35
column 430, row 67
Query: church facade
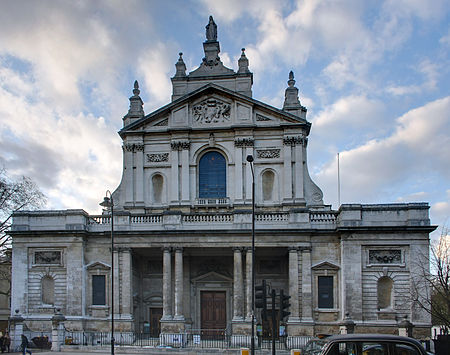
column 183, row 226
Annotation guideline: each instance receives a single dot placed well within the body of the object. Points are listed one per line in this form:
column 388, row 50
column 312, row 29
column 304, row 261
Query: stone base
column 241, row 327
column 172, row 326
column 300, row 329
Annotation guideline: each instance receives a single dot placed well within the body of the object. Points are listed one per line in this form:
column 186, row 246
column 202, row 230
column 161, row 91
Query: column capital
column 237, row 249
column 178, row 249
column 305, row 249
column 293, row 249
column 166, row 249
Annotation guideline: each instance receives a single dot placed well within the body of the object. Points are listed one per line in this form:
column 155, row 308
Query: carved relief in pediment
column 211, row 111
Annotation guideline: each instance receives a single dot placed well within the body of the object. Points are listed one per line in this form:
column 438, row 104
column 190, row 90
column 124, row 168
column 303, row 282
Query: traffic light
column 261, row 298
column 284, row 305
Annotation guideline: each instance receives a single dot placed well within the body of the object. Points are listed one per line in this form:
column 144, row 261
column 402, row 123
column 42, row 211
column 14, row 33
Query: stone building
column 183, row 223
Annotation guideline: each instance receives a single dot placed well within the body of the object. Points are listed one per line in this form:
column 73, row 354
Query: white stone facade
column 183, row 222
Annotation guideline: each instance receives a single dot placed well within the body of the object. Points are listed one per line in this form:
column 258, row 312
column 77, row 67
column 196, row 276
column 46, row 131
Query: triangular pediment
column 98, row 265
column 325, row 265
column 212, row 276
column 213, row 106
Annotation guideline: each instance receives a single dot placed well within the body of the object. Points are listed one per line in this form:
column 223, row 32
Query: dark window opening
column 98, row 290
column 325, row 285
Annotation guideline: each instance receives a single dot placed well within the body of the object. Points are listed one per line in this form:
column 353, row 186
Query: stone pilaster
column 299, row 195
column 185, row 174
column 248, row 173
column 293, row 285
column 174, row 178
column 129, row 181
column 238, row 296
column 179, row 315
column 238, row 174
column 248, row 271
column 167, row 283
column 125, row 281
column 139, row 157
column 306, row 286
column 287, row 191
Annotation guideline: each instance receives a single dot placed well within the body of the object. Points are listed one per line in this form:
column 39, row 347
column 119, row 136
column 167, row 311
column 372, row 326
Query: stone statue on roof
column 211, row 30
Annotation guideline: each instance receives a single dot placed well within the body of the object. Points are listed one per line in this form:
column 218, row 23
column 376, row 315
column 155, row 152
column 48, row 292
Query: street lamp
column 250, row 160
column 108, row 203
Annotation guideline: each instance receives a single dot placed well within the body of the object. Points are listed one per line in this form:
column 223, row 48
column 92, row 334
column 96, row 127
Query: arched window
column 268, row 179
column 158, row 185
column 48, row 290
column 384, row 290
column 212, row 176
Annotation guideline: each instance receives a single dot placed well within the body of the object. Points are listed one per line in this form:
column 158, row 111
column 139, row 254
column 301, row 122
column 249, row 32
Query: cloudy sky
column 373, row 74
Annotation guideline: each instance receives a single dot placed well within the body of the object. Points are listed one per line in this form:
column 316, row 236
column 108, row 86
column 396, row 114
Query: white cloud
column 64, row 154
column 156, row 65
column 418, row 146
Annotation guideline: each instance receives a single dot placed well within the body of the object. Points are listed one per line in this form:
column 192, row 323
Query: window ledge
column 326, row 310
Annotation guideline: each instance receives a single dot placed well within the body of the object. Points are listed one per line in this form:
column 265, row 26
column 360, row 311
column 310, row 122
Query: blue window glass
column 212, row 176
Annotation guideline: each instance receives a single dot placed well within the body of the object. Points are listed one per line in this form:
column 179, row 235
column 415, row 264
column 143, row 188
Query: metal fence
column 202, row 339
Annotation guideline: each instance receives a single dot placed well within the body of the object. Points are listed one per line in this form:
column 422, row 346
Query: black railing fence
column 192, row 339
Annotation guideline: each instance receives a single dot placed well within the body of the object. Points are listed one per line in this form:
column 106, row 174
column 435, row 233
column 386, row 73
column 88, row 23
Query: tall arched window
column 212, row 176
column 268, row 179
column 158, row 185
column 48, row 290
column 384, row 291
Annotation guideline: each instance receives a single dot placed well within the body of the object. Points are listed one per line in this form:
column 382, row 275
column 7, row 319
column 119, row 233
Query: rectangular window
column 98, row 290
column 325, row 286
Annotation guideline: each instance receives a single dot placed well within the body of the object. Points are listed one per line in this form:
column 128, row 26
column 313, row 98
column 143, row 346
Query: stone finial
column 136, row 90
column 291, row 101
column 136, row 109
column 243, row 63
column 291, row 81
column 211, row 30
column 180, row 66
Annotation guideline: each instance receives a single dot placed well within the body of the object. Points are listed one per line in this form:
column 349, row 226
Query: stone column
column 167, row 283
column 293, row 285
column 238, row 297
column 248, row 271
column 287, row 191
column 139, row 148
column 179, row 284
column 174, row 178
column 185, row 172
column 307, row 306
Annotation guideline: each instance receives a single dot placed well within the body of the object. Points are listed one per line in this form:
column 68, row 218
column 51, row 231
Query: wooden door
column 213, row 313
column 155, row 324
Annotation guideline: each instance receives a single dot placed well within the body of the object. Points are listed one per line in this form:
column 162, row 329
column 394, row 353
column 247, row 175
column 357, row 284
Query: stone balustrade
column 413, row 214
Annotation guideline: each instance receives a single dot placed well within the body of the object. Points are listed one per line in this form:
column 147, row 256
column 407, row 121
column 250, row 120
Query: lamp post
column 250, row 160
column 109, row 204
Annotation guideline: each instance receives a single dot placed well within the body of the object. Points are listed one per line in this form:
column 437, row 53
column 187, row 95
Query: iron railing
column 192, row 339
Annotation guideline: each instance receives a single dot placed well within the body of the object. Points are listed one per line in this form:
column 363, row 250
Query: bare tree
column 435, row 279
column 16, row 195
